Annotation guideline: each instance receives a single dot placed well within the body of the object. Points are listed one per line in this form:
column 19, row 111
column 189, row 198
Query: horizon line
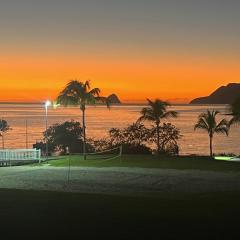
column 123, row 102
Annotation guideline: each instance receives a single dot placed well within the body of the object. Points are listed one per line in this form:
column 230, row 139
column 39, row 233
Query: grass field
column 164, row 215
column 52, row 214
column 148, row 161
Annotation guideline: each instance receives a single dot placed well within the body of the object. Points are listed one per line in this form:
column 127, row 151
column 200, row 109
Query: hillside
column 223, row 95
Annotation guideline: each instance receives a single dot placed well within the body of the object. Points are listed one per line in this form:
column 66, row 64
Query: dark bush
column 63, row 136
column 136, row 149
column 169, row 135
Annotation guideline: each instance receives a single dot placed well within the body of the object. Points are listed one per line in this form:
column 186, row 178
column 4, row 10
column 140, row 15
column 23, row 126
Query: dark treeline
column 135, row 139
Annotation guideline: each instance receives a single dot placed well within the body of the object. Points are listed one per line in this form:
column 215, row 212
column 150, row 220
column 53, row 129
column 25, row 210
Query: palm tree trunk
column 158, row 138
column 84, row 134
column 211, row 151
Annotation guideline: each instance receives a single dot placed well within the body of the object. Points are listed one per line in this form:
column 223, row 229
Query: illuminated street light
column 47, row 104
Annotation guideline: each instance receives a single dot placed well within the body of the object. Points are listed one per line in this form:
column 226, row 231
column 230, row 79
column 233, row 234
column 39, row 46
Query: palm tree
column 80, row 94
column 155, row 112
column 208, row 122
column 235, row 112
column 4, row 127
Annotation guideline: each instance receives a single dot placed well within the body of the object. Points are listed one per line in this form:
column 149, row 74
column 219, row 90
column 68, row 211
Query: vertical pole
column 46, row 120
column 26, row 134
column 84, row 134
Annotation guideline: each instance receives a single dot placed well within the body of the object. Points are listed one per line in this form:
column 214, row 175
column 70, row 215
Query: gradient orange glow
column 26, row 77
column 175, row 50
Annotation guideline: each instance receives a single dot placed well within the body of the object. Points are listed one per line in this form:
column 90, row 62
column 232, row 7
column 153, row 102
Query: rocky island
column 223, row 95
column 113, row 99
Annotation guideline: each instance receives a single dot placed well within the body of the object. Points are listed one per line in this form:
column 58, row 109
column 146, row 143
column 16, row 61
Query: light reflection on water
column 100, row 120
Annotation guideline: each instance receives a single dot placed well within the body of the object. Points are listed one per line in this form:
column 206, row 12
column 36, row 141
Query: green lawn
column 52, row 214
column 148, row 161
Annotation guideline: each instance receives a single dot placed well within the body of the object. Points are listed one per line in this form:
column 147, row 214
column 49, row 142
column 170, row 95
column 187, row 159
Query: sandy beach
column 116, row 180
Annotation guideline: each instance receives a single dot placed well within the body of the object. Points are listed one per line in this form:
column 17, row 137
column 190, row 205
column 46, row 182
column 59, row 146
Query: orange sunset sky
column 134, row 49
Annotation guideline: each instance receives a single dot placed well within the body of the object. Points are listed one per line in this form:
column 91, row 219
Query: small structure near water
column 10, row 157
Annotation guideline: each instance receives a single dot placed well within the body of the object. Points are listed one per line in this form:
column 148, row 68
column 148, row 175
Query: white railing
column 20, row 155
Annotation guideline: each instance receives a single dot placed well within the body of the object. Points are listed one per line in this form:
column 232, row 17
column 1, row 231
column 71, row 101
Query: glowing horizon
column 138, row 50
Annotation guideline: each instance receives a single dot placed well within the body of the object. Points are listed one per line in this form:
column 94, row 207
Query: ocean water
column 100, row 120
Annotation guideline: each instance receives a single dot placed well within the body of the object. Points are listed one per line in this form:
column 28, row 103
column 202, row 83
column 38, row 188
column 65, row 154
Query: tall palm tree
column 155, row 112
column 4, row 127
column 207, row 121
column 80, row 94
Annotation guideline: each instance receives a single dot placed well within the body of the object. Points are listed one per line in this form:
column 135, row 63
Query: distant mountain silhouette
column 113, row 99
column 223, row 95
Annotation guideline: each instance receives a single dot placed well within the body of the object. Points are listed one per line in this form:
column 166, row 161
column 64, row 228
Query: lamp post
column 47, row 104
column 26, row 134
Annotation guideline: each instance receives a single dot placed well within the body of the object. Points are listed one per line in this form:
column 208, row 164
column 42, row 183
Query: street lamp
column 47, row 104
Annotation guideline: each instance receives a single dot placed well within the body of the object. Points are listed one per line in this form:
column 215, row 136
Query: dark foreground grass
column 51, row 215
column 148, row 161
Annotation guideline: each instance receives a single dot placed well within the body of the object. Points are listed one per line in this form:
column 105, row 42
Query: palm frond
column 222, row 127
column 201, row 124
column 235, row 106
column 170, row 114
column 235, row 120
column 223, row 122
column 74, row 88
column 150, row 102
column 103, row 100
column 147, row 114
column 234, row 111
column 155, row 111
column 66, row 100
column 74, row 85
column 89, row 99
column 95, row 92
column 207, row 121
column 78, row 93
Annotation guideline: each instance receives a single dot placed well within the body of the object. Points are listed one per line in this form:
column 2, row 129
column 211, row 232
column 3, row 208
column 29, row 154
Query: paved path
column 117, row 180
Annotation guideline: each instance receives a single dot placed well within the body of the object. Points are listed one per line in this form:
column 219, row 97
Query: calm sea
column 100, row 120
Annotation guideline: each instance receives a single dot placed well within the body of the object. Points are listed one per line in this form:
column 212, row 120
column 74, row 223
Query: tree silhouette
column 235, row 112
column 80, row 94
column 155, row 112
column 208, row 122
column 4, row 127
